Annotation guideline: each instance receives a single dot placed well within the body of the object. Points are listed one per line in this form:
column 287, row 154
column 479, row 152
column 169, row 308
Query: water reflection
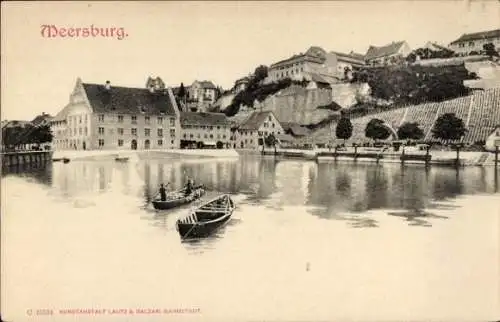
column 334, row 191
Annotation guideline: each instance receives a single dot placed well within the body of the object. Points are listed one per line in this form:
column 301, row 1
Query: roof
column 314, row 53
column 245, row 79
column 207, row 84
column 357, row 55
column 435, row 46
column 255, row 120
column 352, row 58
column 61, row 116
column 284, row 137
column 40, row 119
column 128, row 100
column 295, row 129
column 478, row 35
column 204, row 118
column 387, row 50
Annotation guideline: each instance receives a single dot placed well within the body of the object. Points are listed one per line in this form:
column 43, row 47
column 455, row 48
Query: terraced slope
column 480, row 113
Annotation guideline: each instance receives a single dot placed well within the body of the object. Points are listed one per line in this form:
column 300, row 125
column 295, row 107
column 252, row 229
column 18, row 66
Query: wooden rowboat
column 204, row 220
column 65, row 160
column 121, row 159
column 179, row 198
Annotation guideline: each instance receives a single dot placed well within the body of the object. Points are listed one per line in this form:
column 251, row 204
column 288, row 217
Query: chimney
column 108, row 85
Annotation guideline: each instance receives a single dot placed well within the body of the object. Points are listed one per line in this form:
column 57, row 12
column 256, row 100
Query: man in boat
column 163, row 192
column 189, row 187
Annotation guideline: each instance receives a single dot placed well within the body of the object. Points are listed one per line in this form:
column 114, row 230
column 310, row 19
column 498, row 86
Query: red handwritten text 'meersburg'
column 52, row 31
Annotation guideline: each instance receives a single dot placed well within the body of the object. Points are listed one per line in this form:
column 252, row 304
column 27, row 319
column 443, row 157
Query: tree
column 271, row 140
column 376, row 130
column 489, row 49
column 260, row 73
column 410, row 131
column 182, row 91
column 344, row 128
column 449, row 127
column 41, row 134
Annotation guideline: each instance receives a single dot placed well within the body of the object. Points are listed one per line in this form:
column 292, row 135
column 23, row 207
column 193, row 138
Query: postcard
column 250, row 161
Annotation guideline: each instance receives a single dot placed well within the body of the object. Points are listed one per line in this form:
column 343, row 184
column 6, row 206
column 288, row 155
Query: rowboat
column 65, row 160
column 121, row 159
column 179, row 198
column 207, row 218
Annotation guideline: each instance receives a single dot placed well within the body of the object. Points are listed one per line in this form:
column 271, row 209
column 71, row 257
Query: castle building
column 108, row 117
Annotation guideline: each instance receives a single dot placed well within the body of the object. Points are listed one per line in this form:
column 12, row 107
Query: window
column 224, row 136
column 146, row 119
column 211, row 128
column 191, row 135
column 133, row 131
column 120, row 118
column 85, row 131
column 172, row 133
column 199, row 136
column 206, row 136
column 101, row 117
column 147, row 132
column 101, row 130
column 471, row 43
column 185, row 135
column 80, row 131
column 211, row 136
column 120, row 142
column 272, row 125
column 172, row 121
column 218, row 136
column 218, row 127
column 101, row 142
column 134, row 119
column 160, row 132
column 160, row 120
column 160, row 142
column 120, row 131
column 80, row 119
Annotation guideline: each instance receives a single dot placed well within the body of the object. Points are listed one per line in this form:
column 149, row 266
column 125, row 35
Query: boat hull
column 169, row 204
column 206, row 219
column 200, row 230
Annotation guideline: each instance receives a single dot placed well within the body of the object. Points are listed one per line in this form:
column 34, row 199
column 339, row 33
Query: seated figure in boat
column 189, row 187
column 163, row 192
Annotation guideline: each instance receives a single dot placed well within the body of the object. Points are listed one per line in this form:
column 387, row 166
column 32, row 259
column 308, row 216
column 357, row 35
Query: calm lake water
column 308, row 241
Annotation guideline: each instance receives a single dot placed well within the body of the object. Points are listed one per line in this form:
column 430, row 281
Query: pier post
column 402, row 154
column 427, row 148
column 496, row 156
column 355, row 151
column 335, row 152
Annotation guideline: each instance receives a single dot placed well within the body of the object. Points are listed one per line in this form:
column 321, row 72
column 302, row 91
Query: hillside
column 480, row 113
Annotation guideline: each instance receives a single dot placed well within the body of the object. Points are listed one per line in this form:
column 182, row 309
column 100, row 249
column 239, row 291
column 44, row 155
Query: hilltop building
column 203, row 129
column 316, row 65
column 104, row 116
column 241, row 84
column 473, row 42
column 387, row 55
column 201, row 96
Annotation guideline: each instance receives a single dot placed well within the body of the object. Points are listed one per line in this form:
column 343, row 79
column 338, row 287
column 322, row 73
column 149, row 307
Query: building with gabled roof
column 250, row 134
column 387, row 54
column 104, row 116
column 473, row 42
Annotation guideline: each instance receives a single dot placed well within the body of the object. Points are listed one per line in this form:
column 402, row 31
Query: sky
column 187, row 41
